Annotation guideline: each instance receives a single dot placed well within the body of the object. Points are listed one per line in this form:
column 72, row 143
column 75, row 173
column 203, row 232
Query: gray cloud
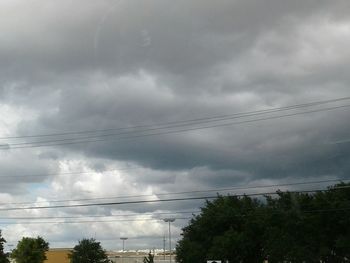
column 73, row 66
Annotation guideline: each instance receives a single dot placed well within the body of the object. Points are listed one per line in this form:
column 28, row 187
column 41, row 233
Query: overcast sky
column 99, row 67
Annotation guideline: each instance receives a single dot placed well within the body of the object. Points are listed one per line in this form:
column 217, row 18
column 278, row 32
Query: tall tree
column 226, row 229
column 30, row 250
column 292, row 227
column 88, row 251
column 3, row 255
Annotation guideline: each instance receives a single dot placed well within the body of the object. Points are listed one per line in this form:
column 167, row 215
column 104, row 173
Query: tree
column 290, row 227
column 149, row 259
column 226, row 229
column 88, row 251
column 30, row 250
column 3, row 255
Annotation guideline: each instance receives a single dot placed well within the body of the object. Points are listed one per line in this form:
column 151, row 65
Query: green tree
column 88, row 251
column 289, row 227
column 3, row 255
column 149, row 259
column 30, row 250
column 226, row 229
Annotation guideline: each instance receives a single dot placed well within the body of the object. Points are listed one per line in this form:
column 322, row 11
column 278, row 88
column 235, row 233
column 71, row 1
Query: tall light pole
column 164, row 247
column 169, row 220
column 123, row 239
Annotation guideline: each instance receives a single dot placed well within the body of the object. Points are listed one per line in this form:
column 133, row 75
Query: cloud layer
column 84, row 66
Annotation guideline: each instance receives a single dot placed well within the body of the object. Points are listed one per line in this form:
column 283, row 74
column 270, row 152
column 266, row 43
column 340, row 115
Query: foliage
column 149, row 259
column 30, row 250
column 3, row 255
column 292, row 227
column 88, row 251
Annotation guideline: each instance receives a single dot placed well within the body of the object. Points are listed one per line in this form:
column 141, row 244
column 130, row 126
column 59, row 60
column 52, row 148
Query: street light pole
column 123, row 239
column 169, row 220
column 164, row 247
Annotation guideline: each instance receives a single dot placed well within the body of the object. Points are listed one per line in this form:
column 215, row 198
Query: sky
column 159, row 99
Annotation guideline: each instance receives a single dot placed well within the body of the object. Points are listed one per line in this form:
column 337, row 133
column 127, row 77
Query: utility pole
column 123, row 239
column 169, row 220
column 164, row 247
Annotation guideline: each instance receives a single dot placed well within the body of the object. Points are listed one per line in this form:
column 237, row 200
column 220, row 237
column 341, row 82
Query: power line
column 296, row 106
column 90, row 221
column 159, row 200
column 14, row 145
column 97, row 216
column 218, row 190
column 106, row 203
column 161, row 219
column 280, row 210
column 71, row 141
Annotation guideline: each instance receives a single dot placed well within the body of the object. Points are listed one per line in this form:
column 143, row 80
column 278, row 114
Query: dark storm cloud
column 184, row 38
column 77, row 65
column 112, row 64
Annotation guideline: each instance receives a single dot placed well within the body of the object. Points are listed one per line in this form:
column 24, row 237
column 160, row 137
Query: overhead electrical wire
column 137, row 216
column 98, row 216
column 179, row 128
column 112, row 136
column 86, row 139
column 219, row 117
column 90, row 221
column 169, row 125
column 218, row 190
column 158, row 200
column 274, row 210
column 160, row 213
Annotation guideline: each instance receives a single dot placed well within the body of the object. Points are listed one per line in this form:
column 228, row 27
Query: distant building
column 136, row 257
column 58, row 255
column 61, row 255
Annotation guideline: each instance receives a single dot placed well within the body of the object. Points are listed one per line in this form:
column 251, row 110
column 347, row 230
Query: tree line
column 33, row 250
column 290, row 227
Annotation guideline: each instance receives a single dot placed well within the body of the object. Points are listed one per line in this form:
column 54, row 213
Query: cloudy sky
column 144, row 99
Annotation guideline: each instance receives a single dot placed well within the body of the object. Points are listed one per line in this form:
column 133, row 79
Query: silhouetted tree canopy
column 3, row 255
column 292, row 227
column 88, row 251
column 30, row 250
